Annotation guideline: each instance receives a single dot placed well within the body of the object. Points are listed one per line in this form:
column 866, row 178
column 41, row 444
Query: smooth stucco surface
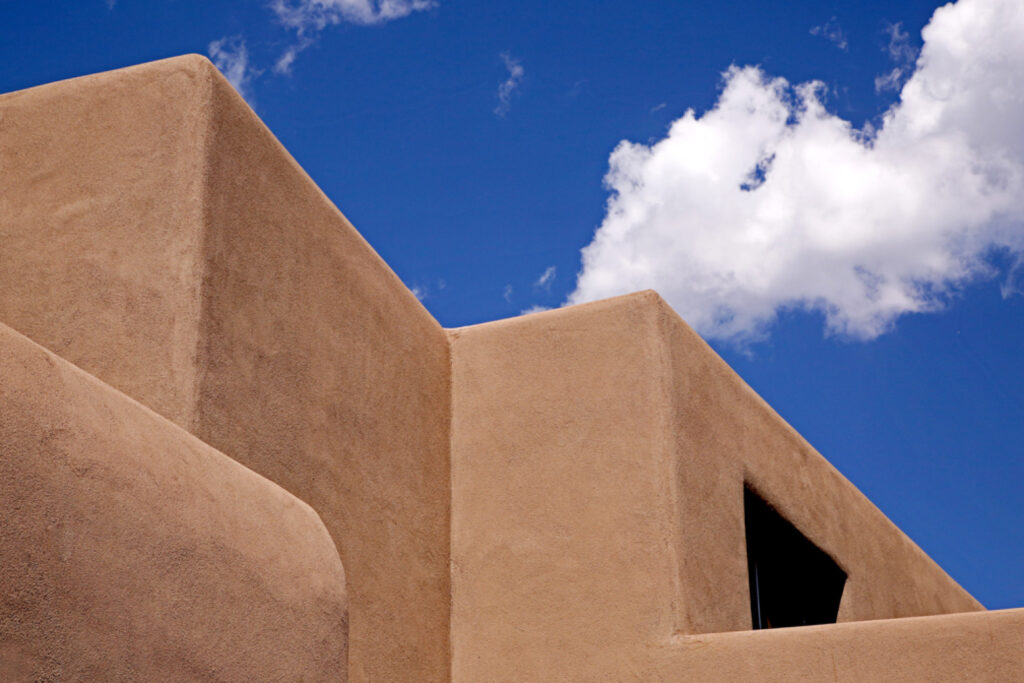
column 157, row 235
column 599, row 455
column 130, row 550
column 101, row 224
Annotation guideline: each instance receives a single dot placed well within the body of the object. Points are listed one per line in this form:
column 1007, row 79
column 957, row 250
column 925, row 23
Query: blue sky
column 861, row 270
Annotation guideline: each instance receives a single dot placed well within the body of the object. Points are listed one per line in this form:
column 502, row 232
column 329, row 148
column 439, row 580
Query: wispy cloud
column 577, row 88
column 308, row 18
column 768, row 202
column 283, row 65
column 230, row 55
column 534, row 309
column 1014, row 282
column 903, row 55
column 833, row 32
column 545, row 279
column 419, row 292
column 510, row 85
column 506, row 293
column 111, row 3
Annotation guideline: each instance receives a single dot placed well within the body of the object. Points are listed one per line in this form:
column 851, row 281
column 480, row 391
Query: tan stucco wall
column 156, row 234
column 101, row 221
column 557, row 496
column 726, row 434
column 130, row 550
column 599, row 454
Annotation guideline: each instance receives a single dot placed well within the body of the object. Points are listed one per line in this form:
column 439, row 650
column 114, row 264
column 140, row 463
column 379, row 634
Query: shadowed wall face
column 163, row 240
column 321, row 371
column 726, row 438
column 130, row 550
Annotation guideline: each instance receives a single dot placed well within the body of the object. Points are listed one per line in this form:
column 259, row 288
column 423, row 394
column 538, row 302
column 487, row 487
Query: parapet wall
column 974, row 646
column 130, row 550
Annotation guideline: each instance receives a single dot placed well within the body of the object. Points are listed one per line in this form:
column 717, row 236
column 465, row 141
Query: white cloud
column 534, row 309
column 419, row 292
column 283, row 65
column 309, row 17
column 230, row 55
column 899, row 48
column 833, row 32
column 903, row 55
column 1014, row 282
column 546, row 278
column 506, row 293
column 768, row 202
column 111, row 3
column 892, row 80
column 510, row 85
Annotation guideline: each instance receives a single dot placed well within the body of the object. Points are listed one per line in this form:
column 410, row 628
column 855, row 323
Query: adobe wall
column 162, row 239
column 561, row 505
column 101, row 223
column 599, row 454
column 130, row 550
column 725, row 435
column 553, row 496
column 321, row 371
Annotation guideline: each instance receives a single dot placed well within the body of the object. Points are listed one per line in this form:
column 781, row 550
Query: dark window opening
column 792, row 581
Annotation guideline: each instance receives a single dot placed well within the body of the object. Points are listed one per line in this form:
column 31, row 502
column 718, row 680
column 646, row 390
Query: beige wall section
column 100, row 212
column 198, row 269
column 562, row 537
column 130, row 550
column 979, row 647
column 598, row 460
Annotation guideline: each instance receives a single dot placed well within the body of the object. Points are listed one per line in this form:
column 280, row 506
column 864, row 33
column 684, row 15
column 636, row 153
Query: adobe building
column 234, row 446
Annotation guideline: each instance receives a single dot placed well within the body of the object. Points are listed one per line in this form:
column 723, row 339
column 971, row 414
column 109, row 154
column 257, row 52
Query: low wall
column 130, row 550
column 978, row 646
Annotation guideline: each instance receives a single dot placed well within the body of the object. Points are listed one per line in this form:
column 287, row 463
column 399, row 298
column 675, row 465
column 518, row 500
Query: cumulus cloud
column 510, row 85
column 832, row 32
column 546, row 278
column 308, row 18
column 230, row 55
column 534, row 309
column 768, row 202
